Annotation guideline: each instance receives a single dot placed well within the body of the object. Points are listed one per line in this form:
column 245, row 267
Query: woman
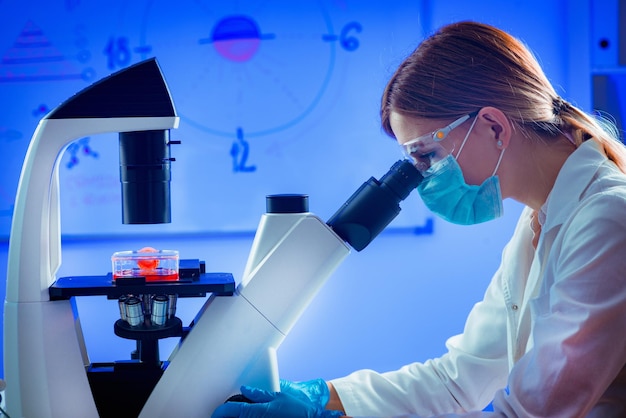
column 474, row 110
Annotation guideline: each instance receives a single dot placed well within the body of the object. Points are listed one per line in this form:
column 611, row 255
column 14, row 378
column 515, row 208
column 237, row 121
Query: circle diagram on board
column 250, row 71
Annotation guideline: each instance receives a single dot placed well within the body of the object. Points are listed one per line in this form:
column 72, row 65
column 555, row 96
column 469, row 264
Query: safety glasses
column 412, row 147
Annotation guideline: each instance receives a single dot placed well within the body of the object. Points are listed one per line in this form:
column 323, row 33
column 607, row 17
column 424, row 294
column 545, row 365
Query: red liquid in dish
column 152, row 275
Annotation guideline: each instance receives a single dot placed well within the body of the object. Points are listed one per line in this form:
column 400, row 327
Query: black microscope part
column 374, row 205
column 238, row 398
column 145, row 177
column 136, row 91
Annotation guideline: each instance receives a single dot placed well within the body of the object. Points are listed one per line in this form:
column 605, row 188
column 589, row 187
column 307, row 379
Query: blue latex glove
column 315, row 391
column 272, row 405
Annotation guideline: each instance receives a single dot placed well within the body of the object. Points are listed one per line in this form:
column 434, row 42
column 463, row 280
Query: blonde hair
column 466, row 66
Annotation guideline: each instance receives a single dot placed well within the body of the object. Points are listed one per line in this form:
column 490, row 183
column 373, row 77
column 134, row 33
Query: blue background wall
column 302, row 102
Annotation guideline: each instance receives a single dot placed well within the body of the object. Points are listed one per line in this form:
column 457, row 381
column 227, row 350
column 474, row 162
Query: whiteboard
column 274, row 96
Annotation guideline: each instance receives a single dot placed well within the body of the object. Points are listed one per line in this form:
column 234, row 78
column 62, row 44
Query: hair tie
column 559, row 105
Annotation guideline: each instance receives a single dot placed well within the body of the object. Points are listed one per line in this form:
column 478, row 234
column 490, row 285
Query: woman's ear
column 494, row 124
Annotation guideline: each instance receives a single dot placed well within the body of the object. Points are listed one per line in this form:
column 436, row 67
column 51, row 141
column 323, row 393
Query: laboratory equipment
column 234, row 337
column 153, row 265
column 44, row 352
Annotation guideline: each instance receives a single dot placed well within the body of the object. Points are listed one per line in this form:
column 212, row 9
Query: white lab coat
column 549, row 337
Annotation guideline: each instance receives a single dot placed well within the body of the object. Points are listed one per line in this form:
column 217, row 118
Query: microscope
column 234, row 337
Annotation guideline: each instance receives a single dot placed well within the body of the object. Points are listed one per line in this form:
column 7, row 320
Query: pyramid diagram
column 33, row 58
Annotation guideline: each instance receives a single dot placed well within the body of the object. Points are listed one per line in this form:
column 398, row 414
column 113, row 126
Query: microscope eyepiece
column 374, row 205
column 401, row 179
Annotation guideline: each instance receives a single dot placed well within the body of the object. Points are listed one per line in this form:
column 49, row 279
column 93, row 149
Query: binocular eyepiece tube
column 374, row 205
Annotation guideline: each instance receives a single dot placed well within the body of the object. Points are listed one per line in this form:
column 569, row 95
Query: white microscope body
column 233, row 340
column 44, row 351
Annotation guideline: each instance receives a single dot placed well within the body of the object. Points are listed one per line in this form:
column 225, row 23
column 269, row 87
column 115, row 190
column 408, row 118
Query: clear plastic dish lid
column 154, row 265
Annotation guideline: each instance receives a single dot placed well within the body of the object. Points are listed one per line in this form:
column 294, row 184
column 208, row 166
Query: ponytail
column 582, row 126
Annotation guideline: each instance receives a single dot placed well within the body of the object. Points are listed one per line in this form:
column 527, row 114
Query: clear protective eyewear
column 415, row 145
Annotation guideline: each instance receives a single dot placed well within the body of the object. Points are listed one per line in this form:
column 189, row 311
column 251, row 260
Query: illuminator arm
column 43, row 349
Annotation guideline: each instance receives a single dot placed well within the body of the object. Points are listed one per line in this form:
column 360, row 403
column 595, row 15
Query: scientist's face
column 407, row 129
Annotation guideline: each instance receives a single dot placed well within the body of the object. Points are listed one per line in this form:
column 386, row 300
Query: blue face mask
column 445, row 192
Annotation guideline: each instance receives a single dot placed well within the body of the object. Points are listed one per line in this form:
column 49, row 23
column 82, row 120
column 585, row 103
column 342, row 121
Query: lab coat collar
column 573, row 179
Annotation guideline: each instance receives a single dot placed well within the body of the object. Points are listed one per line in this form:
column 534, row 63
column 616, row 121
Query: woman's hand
column 266, row 404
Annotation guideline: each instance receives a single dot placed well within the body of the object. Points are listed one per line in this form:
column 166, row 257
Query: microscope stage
column 64, row 288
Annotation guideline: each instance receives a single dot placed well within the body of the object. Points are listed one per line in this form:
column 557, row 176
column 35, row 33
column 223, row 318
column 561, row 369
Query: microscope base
column 121, row 389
